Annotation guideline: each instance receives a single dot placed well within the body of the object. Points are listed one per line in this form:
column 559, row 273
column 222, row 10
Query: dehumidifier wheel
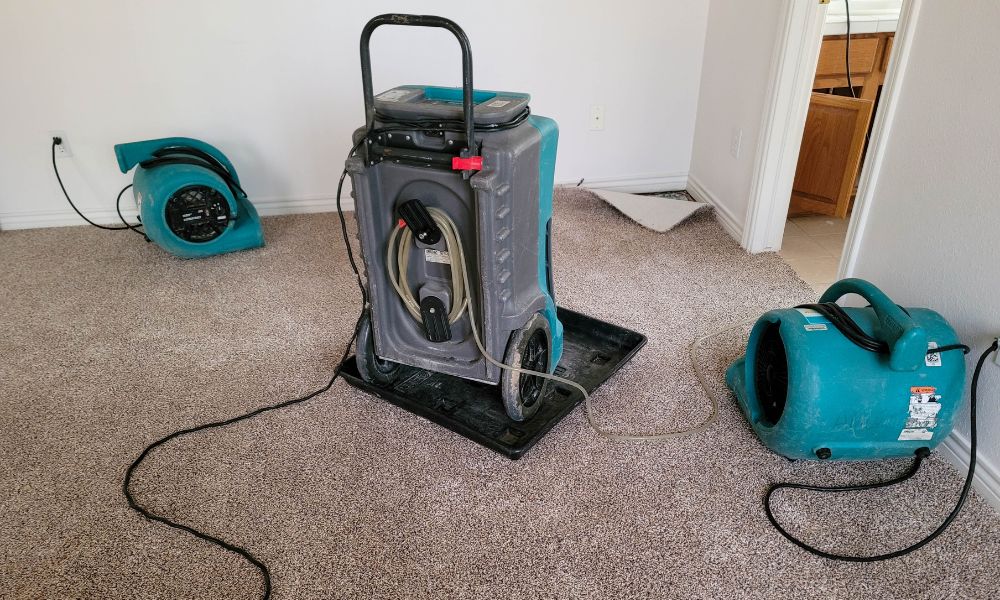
column 529, row 348
column 372, row 368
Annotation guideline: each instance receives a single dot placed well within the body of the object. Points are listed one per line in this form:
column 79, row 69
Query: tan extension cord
column 462, row 302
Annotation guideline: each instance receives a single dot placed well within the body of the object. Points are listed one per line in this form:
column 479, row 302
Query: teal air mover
column 189, row 197
column 823, row 381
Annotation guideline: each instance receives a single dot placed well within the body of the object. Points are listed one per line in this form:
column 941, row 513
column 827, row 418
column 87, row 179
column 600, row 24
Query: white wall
column 739, row 47
column 933, row 227
column 277, row 86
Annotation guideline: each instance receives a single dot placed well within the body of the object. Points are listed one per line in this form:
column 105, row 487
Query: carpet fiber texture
column 109, row 343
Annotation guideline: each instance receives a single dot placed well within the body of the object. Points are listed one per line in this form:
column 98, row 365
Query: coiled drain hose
column 398, row 278
column 462, row 300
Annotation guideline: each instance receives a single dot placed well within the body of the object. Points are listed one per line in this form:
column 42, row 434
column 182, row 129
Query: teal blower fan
column 830, row 382
column 189, row 197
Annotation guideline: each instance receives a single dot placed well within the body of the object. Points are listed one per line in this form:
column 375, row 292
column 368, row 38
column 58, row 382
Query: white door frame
column 793, row 70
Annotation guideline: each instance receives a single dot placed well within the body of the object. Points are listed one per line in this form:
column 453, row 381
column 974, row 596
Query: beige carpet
column 108, row 344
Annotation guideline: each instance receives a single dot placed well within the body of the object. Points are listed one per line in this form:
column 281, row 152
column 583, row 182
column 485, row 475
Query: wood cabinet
column 868, row 54
column 836, row 127
column 830, row 154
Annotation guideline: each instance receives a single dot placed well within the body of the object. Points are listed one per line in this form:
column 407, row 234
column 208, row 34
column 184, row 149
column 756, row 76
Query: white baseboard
column 266, row 207
column 274, row 206
column 725, row 216
column 59, row 218
column 636, row 184
column 987, row 478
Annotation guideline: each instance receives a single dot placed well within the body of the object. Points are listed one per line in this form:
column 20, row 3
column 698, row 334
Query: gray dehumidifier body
column 498, row 217
column 481, row 166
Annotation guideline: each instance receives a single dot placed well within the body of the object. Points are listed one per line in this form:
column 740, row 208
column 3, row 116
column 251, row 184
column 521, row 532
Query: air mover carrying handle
column 420, row 21
column 133, row 153
column 907, row 341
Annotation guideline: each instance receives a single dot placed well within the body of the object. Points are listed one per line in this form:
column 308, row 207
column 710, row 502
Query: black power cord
column 921, row 454
column 149, row 514
column 187, row 155
column 847, row 52
column 834, row 313
column 130, row 471
column 57, row 141
column 118, row 208
column 246, row 554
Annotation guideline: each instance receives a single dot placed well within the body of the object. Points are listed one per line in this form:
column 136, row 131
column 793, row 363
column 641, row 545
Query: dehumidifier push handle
column 907, row 341
column 419, row 21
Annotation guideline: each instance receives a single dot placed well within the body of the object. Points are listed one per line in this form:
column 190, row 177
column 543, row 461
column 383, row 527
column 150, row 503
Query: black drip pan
column 592, row 352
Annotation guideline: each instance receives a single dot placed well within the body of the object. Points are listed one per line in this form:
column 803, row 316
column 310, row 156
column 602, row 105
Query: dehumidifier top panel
column 419, row 102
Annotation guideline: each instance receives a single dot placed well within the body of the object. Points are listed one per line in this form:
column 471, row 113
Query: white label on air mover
column 915, row 434
column 392, row 95
column 814, row 320
column 925, row 404
column 437, row 256
column 933, row 359
column 498, row 103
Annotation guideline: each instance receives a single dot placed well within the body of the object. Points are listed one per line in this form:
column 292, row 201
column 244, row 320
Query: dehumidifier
column 453, row 193
column 189, row 197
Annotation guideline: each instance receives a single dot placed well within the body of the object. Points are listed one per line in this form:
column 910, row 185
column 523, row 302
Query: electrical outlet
column 736, row 143
column 597, row 117
column 62, row 150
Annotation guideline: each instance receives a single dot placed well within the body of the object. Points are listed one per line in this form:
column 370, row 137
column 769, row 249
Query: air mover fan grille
column 771, row 374
column 197, row 214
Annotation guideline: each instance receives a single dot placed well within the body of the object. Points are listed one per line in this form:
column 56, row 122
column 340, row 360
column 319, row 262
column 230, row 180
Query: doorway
column 823, row 137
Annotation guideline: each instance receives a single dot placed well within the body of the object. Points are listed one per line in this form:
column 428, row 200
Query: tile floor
column 812, row 246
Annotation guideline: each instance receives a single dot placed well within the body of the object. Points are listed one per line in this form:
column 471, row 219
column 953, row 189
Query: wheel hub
column 534, row 358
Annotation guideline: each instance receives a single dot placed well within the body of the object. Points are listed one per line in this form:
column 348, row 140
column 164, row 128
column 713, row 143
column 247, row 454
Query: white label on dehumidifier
column 437, row 256
column 933, row 359
column 815, row 327
column 915, row 434
column 392, row 95
column 498, row 103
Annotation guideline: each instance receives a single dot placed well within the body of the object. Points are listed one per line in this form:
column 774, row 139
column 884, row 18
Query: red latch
column 472, row 163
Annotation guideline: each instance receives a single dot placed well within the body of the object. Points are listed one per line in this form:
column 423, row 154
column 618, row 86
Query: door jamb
column 792, row 72
column 793, row 69
column 902, row 45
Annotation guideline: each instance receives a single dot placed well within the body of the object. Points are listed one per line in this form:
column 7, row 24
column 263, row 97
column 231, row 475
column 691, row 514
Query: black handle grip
column 419, row 21
column 415, row 215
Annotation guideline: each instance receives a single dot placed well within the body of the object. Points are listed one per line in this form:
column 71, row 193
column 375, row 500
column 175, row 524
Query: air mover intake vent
column 771, row 374
column 197, row 214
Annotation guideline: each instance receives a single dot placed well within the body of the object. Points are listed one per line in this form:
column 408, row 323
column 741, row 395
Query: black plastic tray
column 592, row 352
